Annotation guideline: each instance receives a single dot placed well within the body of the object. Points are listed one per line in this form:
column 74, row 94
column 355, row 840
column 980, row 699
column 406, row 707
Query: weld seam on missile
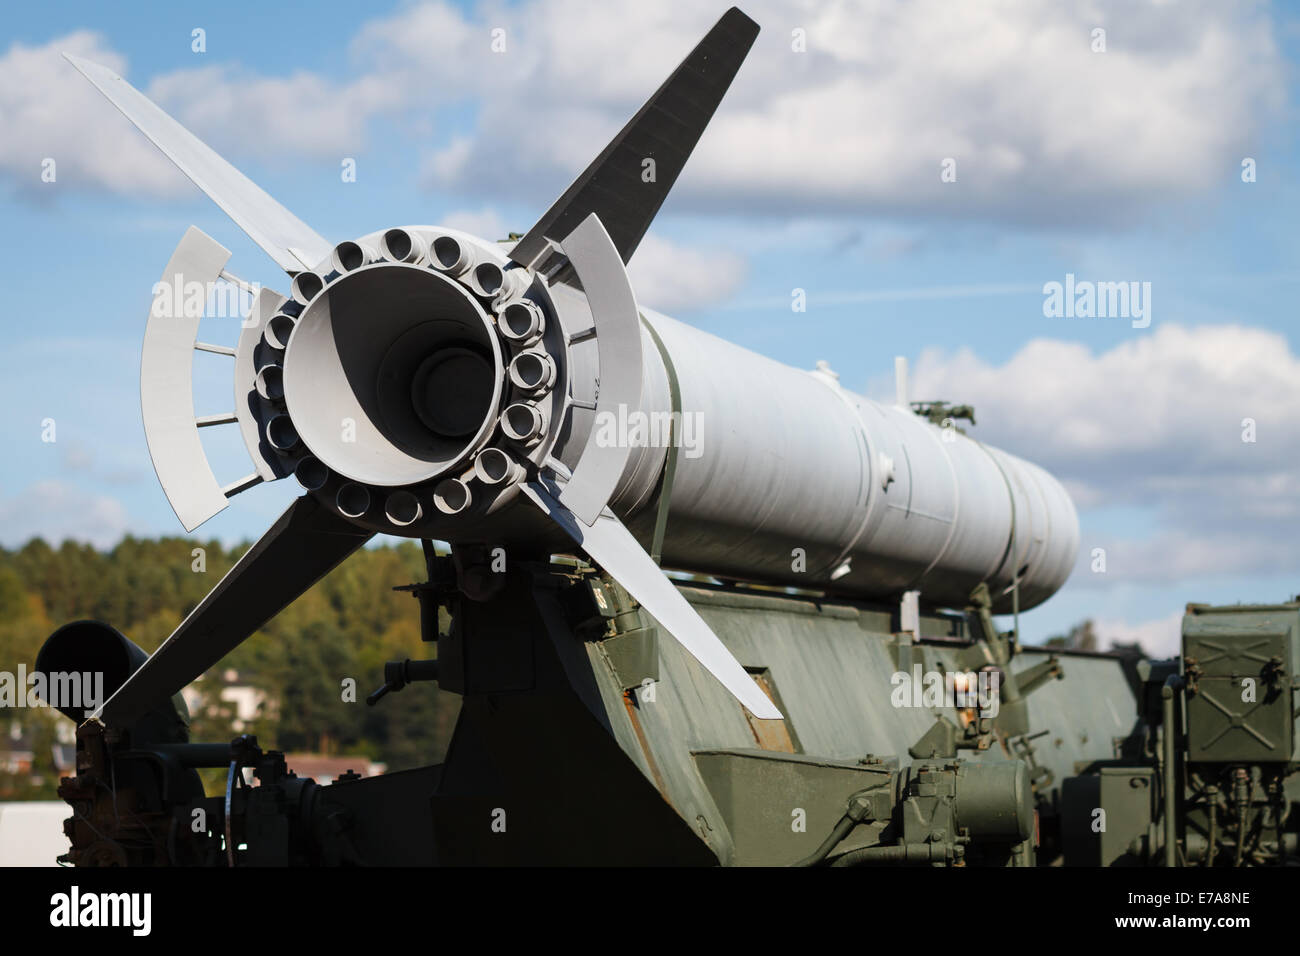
column 669, row 473
column 845, row 556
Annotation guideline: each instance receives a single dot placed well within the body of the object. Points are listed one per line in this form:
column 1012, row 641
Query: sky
column 923, row 171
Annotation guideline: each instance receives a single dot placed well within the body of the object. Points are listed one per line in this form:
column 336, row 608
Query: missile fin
column 306, row 543
column 166, row 383
column 664, row 131
column 288, row 240
column 611, row 545
column 618, row 343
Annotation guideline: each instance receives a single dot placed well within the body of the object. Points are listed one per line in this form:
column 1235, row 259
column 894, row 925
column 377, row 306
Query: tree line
column 345, row 627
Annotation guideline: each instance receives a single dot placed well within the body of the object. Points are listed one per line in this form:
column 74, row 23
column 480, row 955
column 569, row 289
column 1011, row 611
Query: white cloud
column 302, row 114
column 670, row 277
column 1161, row 637
column 1166, row 405
column 1042, row 128
column 486, row 223
column 56, row 510
column 49, row 110
column 1155, row 419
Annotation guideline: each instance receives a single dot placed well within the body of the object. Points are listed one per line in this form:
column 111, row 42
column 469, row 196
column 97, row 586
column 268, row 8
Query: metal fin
column 611, row 545
column 664, row 130
column 618, row 345
column 285, row 238
column 166, row 383
column 305, row 544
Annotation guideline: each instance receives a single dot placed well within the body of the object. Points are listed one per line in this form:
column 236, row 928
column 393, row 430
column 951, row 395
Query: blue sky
column 820, row 172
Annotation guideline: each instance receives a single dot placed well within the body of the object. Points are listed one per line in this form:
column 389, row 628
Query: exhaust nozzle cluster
column 413, row 377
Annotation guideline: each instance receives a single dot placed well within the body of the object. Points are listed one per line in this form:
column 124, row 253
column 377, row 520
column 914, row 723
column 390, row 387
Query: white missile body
column 789, row 460
column 781, row 475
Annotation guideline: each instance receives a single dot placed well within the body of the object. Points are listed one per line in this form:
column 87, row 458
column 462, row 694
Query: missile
column 423, row 382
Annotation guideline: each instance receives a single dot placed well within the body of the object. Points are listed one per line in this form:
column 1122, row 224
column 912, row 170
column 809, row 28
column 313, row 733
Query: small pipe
column 278, row 329
column 305, row 287
column 402, row 508
column 1173, row 684
column 449, row 256
column 487, row 279
column 399, row 245
column 349, row 256
column 281, row 434
column 311, row 473
column 522, row 422
column 514, row 281
column 914, row 853
column 494, row 467
column 270, row 382
column 532, row 371
column 1241, row 797
column 1196, row 846
column 451, row 496
column 522, row 322
column 353, row 500
column 838, row 833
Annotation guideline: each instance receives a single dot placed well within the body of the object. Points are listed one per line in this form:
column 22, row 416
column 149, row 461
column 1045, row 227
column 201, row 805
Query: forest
column 345, row 627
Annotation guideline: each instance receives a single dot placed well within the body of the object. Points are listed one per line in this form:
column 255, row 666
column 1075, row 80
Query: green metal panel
column 1085, row 714
column 831, row 662
column 1106, row 814
column 1239, row 697
column 1128, row 796
column 779, row 807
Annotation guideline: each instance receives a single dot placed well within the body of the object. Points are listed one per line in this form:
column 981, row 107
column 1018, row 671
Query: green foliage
column 1082, row 637
column 345, row 627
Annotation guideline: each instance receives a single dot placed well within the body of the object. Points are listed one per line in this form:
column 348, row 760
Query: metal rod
column 1172, row 686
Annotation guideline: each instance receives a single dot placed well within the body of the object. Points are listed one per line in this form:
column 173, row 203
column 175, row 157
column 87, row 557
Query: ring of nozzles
column 493, row 471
